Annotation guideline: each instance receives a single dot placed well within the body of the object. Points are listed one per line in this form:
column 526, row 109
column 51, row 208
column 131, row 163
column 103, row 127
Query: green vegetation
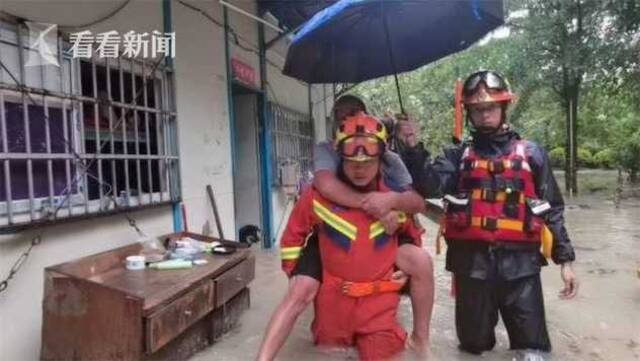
column 570, row 59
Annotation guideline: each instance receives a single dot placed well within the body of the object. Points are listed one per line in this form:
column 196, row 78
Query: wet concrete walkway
column 603, row 323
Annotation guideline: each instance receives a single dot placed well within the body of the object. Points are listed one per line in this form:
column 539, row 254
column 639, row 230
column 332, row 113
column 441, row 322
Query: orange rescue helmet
column 361, row 137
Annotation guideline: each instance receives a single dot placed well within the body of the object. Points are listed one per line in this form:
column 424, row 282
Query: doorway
column 246, row 174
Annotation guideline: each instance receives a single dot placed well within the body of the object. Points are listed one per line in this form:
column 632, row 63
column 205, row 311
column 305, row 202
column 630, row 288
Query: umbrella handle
column 395, row 75
column 391, row 58
column 457, row 121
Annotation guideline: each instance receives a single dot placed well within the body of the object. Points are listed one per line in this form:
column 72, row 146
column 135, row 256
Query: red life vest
column 492, row 202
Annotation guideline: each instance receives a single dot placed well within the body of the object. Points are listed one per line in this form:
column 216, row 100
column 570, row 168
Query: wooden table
column 96, row 309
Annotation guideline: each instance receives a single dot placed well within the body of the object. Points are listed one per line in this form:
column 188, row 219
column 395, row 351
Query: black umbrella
column 357, row 40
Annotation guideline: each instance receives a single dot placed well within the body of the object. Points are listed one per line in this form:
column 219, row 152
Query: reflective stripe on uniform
column 290, row 253
column 487, row 164
column 376, row 228
column 335, row 221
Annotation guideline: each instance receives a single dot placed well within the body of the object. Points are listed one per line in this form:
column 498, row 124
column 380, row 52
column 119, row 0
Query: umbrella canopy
column 357, row 40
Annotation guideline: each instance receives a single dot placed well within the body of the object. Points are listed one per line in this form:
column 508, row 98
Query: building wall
column 204, row 149
column 205, row 143
column 280, row 89
column 204, row 146
column 289, row 93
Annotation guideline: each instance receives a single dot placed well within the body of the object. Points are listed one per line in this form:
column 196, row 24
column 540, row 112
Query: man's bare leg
column 417, row 263
column 302, row 290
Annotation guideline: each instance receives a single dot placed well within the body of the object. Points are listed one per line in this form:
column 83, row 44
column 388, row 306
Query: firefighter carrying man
column 500, row 199
column 357, row 301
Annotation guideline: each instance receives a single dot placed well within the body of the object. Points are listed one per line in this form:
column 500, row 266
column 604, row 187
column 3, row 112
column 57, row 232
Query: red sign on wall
column 243, row 72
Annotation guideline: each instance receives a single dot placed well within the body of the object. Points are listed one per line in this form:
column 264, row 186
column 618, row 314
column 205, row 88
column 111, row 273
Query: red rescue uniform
column 354, row 248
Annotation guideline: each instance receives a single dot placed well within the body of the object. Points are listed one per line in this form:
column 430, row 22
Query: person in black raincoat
column 491, row 274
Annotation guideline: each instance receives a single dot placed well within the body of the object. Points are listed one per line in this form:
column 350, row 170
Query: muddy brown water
column 602, row 323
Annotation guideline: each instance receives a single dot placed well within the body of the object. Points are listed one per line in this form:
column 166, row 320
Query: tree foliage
column 565, row 59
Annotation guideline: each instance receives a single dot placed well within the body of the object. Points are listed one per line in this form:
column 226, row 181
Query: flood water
column 602, row 323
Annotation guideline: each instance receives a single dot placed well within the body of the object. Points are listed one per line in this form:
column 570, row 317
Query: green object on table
column 172, row 264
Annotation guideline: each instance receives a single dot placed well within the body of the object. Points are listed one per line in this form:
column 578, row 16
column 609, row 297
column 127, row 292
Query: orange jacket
column 338, row 229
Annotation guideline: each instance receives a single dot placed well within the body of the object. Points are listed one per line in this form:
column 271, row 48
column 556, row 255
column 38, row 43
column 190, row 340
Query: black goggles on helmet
column 491, row 79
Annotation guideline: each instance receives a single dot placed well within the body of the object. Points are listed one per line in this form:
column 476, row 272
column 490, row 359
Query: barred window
column 90, row 136
column 292, row 133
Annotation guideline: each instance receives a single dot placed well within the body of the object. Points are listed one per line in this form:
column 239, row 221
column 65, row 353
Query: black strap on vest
column 496, row 184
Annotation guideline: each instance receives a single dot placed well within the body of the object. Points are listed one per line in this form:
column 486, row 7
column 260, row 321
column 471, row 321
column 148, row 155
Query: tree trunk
column 569, row 159
column 547, row 134
column 571, row 93
column 574, row 96
column 572, row 76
